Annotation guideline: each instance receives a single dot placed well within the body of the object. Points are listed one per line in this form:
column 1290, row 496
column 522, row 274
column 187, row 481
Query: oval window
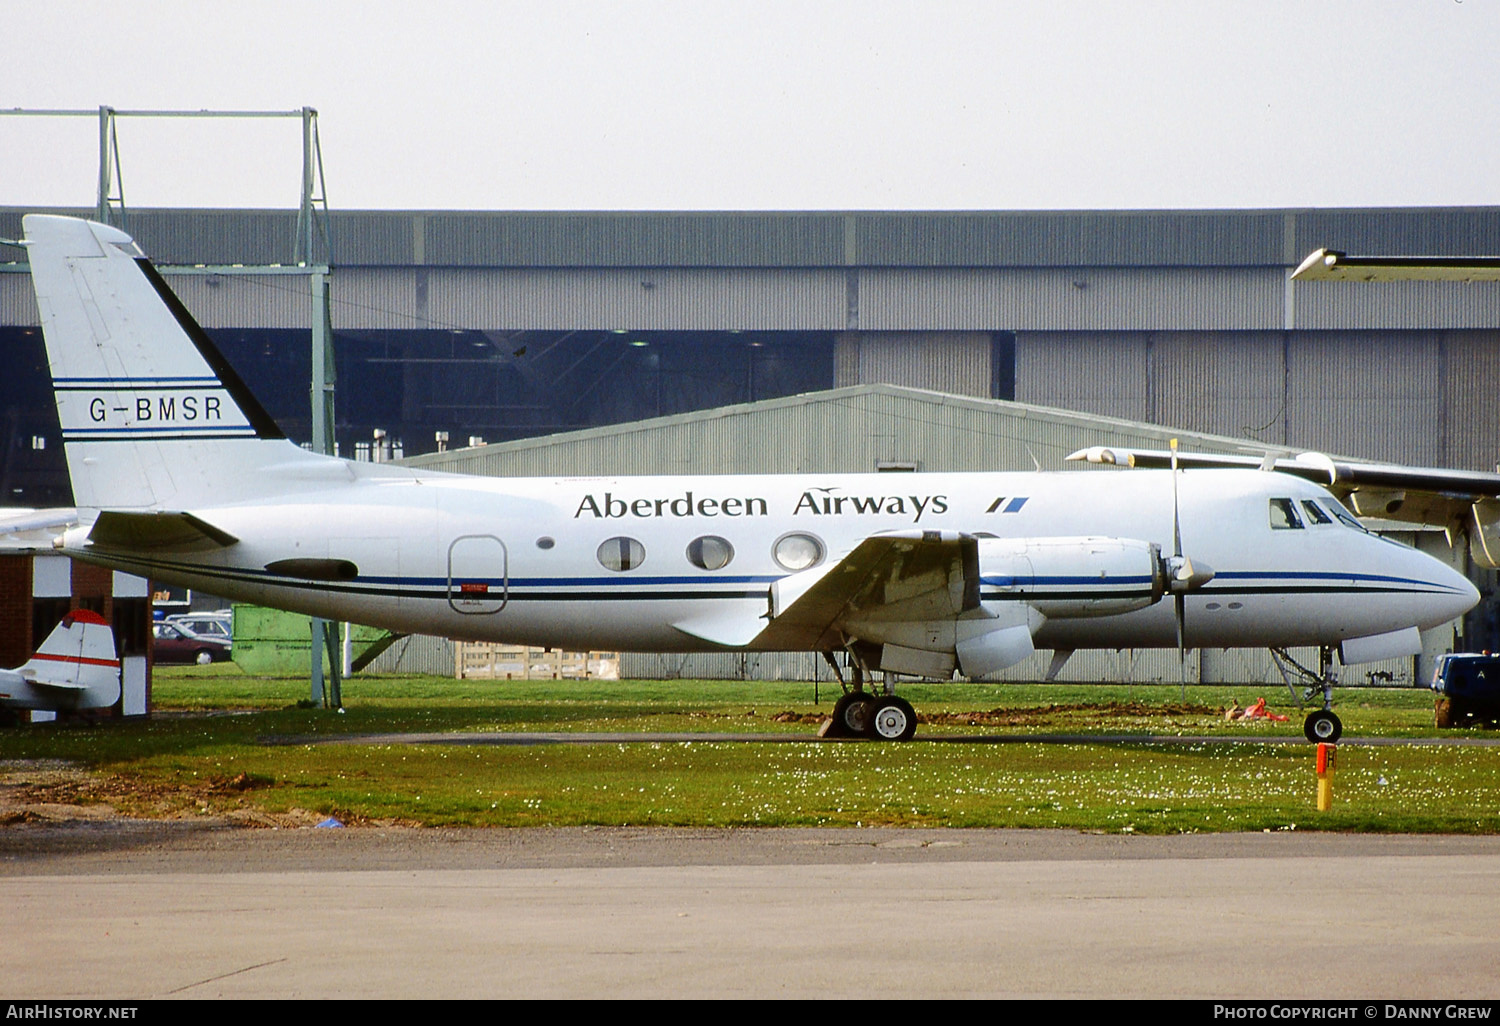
column 710, row 552
column 621, row 554
column 797, row 551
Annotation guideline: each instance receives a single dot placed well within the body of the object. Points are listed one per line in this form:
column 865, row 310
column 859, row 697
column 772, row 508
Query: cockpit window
column 1346, row 518
column 1284, row 515
column 1315, row 514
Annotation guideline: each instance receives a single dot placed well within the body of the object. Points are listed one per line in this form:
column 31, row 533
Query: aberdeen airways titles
column 813, row 502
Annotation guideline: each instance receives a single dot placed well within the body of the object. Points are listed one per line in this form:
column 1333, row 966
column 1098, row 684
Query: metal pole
column 305, row 207
column 323, row 441
column 106, row 173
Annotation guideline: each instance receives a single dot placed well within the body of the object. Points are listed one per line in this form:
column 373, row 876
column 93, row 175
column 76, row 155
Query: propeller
column 1176, row 567
column 1182, row 577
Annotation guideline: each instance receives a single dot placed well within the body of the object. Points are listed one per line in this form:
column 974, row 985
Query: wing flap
column 29, row 530
column 901, row 576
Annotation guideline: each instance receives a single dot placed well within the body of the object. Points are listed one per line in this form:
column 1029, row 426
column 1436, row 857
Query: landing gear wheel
column 894, row 720
column 1322, row 726
column 853, row 713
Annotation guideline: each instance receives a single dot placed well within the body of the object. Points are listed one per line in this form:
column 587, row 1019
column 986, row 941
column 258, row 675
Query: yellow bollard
column 1326, row 754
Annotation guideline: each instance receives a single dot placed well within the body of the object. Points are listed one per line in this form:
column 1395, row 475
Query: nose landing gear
column 1321, row 725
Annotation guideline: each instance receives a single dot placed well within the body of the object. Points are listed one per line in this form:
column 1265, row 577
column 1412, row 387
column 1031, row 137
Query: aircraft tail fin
column 152, row 415
column 78, row 662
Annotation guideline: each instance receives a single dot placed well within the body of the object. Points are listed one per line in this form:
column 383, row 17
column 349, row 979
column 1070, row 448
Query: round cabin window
column 710, row 552
column 797, row 551
column 621, row 554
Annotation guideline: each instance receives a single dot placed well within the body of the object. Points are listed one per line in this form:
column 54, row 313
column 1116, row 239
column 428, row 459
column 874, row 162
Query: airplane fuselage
column 614, row 563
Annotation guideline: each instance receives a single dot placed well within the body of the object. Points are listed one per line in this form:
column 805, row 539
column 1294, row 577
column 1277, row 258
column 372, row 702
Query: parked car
column 209, row 625
column 1468, row 690
column 174, row 643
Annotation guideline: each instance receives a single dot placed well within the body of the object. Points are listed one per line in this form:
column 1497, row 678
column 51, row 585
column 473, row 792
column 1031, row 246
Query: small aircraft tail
column 152, row 415
column 76, row 667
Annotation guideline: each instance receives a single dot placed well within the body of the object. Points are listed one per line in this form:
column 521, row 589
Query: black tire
column 894, row 720
column 1323, row 727
column 852, row 714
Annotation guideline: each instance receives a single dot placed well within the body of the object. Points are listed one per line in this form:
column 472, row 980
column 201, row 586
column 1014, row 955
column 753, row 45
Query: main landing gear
column 860, row 713
column 1321, row 724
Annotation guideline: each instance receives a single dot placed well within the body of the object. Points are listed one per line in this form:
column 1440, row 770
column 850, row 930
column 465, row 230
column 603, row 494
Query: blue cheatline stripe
column 218, row 430
column 122, row 384
column 624, row 588
column 1318, row 575
column 1108, row 582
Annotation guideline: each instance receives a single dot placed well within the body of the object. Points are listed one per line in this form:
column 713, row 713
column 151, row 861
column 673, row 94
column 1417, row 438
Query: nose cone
column 1451, row 595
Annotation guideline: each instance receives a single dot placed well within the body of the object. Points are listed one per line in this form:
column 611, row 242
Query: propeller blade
column 1180, row 611
column 1176, row 518
column 1184, row 574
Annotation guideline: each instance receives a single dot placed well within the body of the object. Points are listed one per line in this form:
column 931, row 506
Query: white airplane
column 74, row 669
column 181, row 476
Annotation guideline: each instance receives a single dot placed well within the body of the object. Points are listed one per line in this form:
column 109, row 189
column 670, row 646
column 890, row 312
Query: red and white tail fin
column 77, row 663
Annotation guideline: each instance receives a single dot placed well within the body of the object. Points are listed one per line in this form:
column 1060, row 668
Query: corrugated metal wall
column 1084, row 298
column 1406, row 304
column 955, row 362
column 648, row 299
column 1151, row 238
column 17, row 300
column 1471, row 394
column 844, row 430
column 1424, row 397
column 1205, row 382
column 1366, row 395
column 1120, row 238
column 1103, row 374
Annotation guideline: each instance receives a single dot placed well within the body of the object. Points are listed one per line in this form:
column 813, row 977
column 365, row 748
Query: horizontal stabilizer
column 26, row 530
column 157, row 530
column 61, row 686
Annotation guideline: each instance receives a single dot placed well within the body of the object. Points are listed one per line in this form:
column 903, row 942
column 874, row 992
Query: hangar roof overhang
column 1081, row 238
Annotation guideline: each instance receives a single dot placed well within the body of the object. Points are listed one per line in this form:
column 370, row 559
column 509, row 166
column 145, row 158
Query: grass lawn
column 204, row 754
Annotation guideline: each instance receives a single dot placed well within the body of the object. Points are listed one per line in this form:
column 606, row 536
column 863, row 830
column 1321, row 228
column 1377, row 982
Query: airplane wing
column 900, row 576
column 157, row 530
column 909, row 576
column 1459, row 501
column 1332, row 265
column 33, row 529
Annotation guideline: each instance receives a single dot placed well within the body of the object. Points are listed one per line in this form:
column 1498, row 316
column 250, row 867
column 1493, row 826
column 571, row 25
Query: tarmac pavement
column 130, row 910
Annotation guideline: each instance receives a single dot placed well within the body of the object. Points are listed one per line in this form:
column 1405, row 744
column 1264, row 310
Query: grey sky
column 722, row 104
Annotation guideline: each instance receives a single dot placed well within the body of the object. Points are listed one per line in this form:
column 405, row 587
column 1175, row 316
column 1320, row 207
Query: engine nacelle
column 1484, row 533
column 1072, row 577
